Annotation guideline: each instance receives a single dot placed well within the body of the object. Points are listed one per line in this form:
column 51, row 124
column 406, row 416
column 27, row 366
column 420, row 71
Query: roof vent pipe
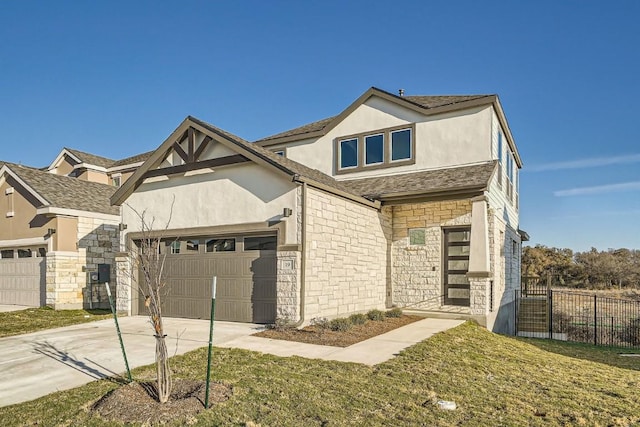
column 401, row 92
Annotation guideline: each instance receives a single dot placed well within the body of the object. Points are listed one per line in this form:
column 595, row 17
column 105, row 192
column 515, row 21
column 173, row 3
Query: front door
column 456, row 243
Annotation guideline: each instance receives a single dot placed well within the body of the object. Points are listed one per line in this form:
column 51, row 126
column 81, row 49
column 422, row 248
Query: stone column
column 479, row 274
column 288, row 285
column 123, row 283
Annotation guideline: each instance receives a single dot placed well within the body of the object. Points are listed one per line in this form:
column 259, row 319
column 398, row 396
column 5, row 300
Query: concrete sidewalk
column 37, row 364
column 369, row 352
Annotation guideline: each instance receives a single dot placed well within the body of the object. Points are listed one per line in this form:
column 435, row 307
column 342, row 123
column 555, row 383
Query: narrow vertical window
column 374, row 149
column 348, row 153
column 401, row 145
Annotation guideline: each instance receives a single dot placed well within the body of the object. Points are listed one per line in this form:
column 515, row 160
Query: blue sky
column 115, row 78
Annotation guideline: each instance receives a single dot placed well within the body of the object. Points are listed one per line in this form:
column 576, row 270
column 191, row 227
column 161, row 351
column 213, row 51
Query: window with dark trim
column 376, row 149
column 24, row 253
column 6, row 253
column 268, row 243
column 220, row 245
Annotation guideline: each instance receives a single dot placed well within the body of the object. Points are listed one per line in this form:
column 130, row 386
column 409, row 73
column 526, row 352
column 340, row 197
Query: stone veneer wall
column 68, row 272
column 347, row 256
column 65, row 280
column 416, row 270
column 98, row 243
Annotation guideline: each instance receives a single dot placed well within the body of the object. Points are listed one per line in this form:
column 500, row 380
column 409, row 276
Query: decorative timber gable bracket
column 190, row 152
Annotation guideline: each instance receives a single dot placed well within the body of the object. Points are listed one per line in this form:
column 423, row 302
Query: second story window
column 348, row 153
column 377, row 149
column 374, row 149
column 400, row 145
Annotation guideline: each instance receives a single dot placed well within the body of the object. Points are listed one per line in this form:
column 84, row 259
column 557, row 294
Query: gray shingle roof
column 433, row 101
column 91, row 159
column 133, row 159
column 425, row 182
column 424, row 101
column 66, row 192
column 308, row 128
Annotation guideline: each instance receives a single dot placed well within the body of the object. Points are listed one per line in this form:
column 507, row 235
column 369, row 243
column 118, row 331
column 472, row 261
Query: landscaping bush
column 283, row 324
column 321, row 323
column 394, row 312
column 340, row 324
column 358, row 319
column 375, row 315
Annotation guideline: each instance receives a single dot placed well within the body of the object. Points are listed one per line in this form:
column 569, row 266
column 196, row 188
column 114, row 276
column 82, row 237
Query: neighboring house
column 57, row 227
column 408, row 201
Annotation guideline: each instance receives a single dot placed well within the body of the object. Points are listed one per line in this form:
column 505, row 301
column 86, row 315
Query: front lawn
column 37, row 319
column 494, row 380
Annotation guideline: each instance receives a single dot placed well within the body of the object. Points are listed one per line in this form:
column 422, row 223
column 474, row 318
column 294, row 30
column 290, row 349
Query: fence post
column 595, row 320
column 515, row 312
column 550, row 311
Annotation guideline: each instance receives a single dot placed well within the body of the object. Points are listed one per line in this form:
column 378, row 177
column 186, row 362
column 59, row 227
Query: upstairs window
column 400, row 145
column 377, row 149
column 349, row 153
column 374, row 149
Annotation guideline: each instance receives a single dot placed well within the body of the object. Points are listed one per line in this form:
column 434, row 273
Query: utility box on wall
column 103, row 275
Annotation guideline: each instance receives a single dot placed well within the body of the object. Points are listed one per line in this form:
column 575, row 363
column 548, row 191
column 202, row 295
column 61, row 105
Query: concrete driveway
column 10, row 307
column 40, row 363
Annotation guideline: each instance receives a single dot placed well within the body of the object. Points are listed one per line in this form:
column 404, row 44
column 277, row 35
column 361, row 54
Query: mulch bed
column 135, row 402
column 316, row 335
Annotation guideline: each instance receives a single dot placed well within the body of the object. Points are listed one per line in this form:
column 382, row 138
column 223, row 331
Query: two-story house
column 57, row 227
column 408, row 201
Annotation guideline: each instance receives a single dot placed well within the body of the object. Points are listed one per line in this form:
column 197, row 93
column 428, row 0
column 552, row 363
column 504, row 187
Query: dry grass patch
column 37, row 319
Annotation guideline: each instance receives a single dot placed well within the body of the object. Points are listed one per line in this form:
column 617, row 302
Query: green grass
column 495, row 381
column 37, row 319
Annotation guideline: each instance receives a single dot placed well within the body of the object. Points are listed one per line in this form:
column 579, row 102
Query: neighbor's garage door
column 245, row 267
column 22, row 281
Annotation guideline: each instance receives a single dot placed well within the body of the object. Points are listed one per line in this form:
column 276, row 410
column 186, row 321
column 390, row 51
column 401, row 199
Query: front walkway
column 40, row 363
column 369, row 352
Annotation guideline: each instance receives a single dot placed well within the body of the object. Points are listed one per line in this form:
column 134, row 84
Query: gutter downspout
column 303, row 257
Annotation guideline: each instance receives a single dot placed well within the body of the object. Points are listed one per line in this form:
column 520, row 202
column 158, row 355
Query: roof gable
column 80, row 157
column 423, row 104
column 182, row 143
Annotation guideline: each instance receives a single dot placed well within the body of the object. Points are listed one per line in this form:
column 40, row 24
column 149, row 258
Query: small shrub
column 375, row 315
column 394, row 312
column 358, row 319
column 283, row 324
column 341, row 324
column 321, row 323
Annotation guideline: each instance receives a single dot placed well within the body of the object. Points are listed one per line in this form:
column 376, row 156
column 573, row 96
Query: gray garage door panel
column 22, row 281
column 246, row 286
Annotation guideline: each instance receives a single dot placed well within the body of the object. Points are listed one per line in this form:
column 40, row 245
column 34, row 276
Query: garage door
column 22, row 280
column 245, row 267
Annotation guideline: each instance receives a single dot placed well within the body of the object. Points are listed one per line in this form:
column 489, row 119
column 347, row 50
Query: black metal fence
column 578, row 317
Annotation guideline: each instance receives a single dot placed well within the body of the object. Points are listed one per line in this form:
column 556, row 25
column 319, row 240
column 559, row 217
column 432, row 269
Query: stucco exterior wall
column 233, row 195
column 65, row 167
column 449, row 139
column 24, row 223
column 497, row 194
column 416, row 270
column 94, row 176
column 347, row 256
